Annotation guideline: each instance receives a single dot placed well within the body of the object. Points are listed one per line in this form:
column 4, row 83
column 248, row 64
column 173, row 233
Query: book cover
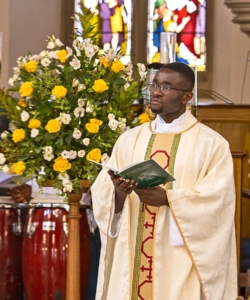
column 147, row 173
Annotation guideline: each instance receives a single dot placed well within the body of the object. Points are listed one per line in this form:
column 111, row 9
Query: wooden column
column 238, row 170
column 73, row 260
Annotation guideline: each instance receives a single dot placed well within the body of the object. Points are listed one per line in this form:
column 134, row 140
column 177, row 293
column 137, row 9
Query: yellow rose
column 34, row 123
column 18, row 135
column 59, row 91
column 105, row 62
column 61, row 164
column 18, row 168
column 30, row 66
column 143, row 118
column 53, row 126
column 117, row 66
column 26, row 89
column 22, row 103
column 96, row 121
column 100, row 86
column 95, row 155
column 11, row 170
column 92, row 127
column 62, row 55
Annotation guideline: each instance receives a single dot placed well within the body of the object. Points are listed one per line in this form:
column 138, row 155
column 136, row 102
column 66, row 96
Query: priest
column 176, row 240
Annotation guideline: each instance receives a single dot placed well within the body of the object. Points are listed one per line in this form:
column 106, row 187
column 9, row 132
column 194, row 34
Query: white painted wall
column 25, row 26
column 230, row 47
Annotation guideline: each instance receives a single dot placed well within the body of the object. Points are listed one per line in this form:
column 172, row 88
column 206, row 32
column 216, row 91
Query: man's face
column 170, row 105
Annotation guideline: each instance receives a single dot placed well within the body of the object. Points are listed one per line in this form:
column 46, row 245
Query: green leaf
column 50, row 136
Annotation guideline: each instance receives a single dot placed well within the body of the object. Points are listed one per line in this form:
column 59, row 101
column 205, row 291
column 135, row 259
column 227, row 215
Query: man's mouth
column 155, row 101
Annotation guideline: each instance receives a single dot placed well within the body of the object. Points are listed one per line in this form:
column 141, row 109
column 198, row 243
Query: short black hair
column 155, row 65
column 183, row 69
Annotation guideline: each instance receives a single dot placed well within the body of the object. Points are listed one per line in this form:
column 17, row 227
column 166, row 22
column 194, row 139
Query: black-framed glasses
column 165, row 88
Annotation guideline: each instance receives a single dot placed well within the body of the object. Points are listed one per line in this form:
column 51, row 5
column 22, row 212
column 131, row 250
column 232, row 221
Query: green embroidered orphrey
column 143, row 280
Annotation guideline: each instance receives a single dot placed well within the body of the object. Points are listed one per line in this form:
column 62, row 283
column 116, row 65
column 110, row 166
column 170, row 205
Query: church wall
column 25, row 26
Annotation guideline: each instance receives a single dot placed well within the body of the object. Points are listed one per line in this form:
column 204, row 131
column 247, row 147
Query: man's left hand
column 155, row 196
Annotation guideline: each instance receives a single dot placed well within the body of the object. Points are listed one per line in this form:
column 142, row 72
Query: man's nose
column 157, row 91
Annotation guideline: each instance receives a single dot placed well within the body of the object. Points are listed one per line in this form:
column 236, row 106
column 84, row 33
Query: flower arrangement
column 68, row 105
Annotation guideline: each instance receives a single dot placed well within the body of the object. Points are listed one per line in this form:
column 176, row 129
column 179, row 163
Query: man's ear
column 187, row 97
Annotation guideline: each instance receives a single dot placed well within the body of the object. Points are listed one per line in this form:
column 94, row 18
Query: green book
column 147, row 173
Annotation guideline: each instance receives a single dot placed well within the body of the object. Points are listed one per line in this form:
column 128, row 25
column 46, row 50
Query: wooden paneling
column 233, row 123
column 238, row 164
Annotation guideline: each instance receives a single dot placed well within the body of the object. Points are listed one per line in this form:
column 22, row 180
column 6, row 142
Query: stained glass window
column 186, row 18
column 113, row 22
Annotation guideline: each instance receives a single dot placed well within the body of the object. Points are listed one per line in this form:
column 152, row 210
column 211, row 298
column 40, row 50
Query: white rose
column 81, row 87
column 34, row 132
column 4, row 135
column 113, row 123
column 72, row 154
column 51, row 54
column 5, row 169
column 90, row 51
column 48, row 157
column 58, row 43
column 12, row 127
column 63, row 176
column 43, row 54
column 141, row 67
column 65, row 118
column 48, row 149
column 122, row 126
column 45, row 62
column 75, row 63
column 2, row 159
column 81, row 153
column 86, row 141
column 70, row 52
column 51, row 45
column 24, row 116
column 77, row 134
column 89, row 109
column 67, row 184
column 111, row 116
column 79, row 112
column 81, row 102
column 75, row 82
column 110, row 54
column 65, row 154
column 11, row 81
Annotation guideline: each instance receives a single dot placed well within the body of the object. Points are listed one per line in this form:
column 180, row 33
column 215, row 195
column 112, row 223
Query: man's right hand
column 21, row 193
column 123, row 187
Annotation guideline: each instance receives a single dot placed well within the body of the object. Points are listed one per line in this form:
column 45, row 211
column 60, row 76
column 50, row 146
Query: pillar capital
column 241, row 10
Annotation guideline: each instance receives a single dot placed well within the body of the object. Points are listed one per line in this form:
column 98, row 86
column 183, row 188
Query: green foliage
column 75, row 87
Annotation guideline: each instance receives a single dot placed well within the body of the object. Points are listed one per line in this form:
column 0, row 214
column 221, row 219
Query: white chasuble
column 202, row 202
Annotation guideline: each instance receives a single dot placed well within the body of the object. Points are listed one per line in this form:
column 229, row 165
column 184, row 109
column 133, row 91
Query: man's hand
column 21, row 193
column 123, row 187
column 155, row 196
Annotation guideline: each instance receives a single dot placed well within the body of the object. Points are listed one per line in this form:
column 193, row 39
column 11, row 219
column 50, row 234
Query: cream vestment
column 202, row 203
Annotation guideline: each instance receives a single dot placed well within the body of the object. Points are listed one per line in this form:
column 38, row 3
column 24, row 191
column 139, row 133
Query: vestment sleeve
column 205, row 213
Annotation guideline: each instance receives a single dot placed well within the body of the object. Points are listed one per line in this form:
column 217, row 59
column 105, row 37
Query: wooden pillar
column 73, row 260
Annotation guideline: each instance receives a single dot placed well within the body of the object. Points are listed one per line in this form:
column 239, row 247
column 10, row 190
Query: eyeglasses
column 165, row 89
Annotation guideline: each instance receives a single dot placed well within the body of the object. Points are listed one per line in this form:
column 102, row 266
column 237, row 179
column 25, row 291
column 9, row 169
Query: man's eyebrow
column 164, row 82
